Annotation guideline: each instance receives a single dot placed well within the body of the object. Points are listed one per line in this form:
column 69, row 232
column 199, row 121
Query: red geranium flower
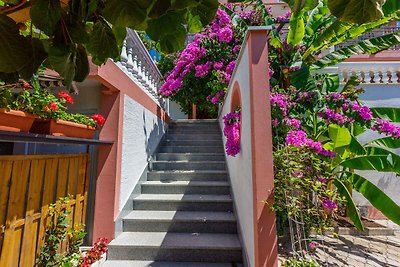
column 100, row 120
column 53, row 106
column 66, row 96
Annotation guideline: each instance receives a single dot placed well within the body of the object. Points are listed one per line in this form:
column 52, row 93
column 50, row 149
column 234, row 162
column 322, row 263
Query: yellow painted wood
column 5, row 176
column 15, row 212
column 27, row 257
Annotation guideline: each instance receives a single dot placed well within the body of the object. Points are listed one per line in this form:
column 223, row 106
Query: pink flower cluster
column 386, row 127
column 218, row 98
column 299, row 138
column 329, row 204
column 193, row 59
column 331, row 116
column 281, row 101
column 232, row 133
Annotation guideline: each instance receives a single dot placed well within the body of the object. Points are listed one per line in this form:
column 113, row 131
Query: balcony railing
column 137, row 63
column 374, row 33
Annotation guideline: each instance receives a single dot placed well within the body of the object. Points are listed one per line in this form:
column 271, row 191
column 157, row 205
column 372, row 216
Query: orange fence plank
column 28, row 251
column 28, row 185
column 5, row 176
column 15, row 212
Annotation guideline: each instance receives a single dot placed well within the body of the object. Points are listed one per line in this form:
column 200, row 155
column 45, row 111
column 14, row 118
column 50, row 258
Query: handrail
column 136, row 63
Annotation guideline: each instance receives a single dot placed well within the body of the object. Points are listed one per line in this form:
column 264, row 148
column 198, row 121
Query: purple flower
column 329, row 204
column 230, row 67
column 202, row 70
column 321, row 180
column 225, row 34
column 313, row 245
column 232, row 133
column 299, row 138
column 386, row 127
column 295, row 123
column 218, row 65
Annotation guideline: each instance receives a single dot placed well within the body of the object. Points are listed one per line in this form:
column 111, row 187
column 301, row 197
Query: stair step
column 191, row 156
column 163, row 246
column 187, row 176
column 194, row 165
column 185, row 142
column 194, row 137
column 180, row 221
column 183, row 202
column 191, row 149
column 166, row 264
column 186, row 187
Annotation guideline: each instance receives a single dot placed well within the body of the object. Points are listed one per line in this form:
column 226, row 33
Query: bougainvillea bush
column 202, row 71
column 232, row 132
column 315, row 120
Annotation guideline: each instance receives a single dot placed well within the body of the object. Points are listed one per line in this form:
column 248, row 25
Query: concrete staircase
column 183, row 218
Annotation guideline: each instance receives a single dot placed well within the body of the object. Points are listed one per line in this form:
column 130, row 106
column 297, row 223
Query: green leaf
column 165, row 25
column 182, row 4
column 45, row 15
column 316, row 18
column 173, row 42
column 18, row 54
column 62, row 60
column 391, row 6
column 387, row 142
column 381, row 163
column 392, row 114
column 351, row 206
column 339, row 135
column 371, row 46
column 376, row 197
column 81, row 64
column 356, row 11
column 194, row 23
column 92, row 7
column 301, row 77
column 297, row 5
column 206, row 10
column 296, row 30
column 159, row 8
column 349, row 86
column 355, row 147
column 102, row 44
column 331, row 83
column 127, row 13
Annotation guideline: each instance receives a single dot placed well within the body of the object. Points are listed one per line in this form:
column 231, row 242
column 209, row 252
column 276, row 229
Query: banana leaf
column 371, row 46
column 353, row 213
column 392, row 114
column 381, row 163
column 376, row 197
column 387, row 142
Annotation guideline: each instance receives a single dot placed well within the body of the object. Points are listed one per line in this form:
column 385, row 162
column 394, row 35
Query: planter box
column 15, row 120
column 62, row 128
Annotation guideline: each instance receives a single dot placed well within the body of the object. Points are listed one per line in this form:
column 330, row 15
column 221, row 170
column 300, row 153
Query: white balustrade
column 137, row 63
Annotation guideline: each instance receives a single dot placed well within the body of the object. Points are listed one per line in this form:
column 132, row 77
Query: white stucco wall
column 240, row 166
column 380, row 95
column 142, row 132
column 175, row 111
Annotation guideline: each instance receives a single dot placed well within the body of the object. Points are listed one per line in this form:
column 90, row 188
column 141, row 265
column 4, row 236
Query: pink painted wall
column 116, row 85
column 251, row 171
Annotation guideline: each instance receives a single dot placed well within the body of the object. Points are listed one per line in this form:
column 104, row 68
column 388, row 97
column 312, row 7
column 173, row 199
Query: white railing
column 370, row 72
column 139, row 66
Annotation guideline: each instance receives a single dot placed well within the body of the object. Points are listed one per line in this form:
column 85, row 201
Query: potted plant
column 13, row 118
column 55, row 120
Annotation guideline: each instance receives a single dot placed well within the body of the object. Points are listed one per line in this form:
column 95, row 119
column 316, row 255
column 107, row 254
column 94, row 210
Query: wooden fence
column 28, row 185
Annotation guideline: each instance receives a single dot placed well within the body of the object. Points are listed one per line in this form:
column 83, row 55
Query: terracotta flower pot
column 15, row 120
column 62, row 128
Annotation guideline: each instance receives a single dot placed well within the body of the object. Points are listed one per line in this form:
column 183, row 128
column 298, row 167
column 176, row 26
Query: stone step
column 166, row 264
column 185, row 142
column 163, row 246
column 194, row 165
column 180, row 221
column 194, row 122
column 187, row 176
column 185, row 187
column 190, row 156
column 191, row 149
column 182, row 202
column 194, row 137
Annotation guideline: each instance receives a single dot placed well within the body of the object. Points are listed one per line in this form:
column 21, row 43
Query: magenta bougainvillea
column 232, row 133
